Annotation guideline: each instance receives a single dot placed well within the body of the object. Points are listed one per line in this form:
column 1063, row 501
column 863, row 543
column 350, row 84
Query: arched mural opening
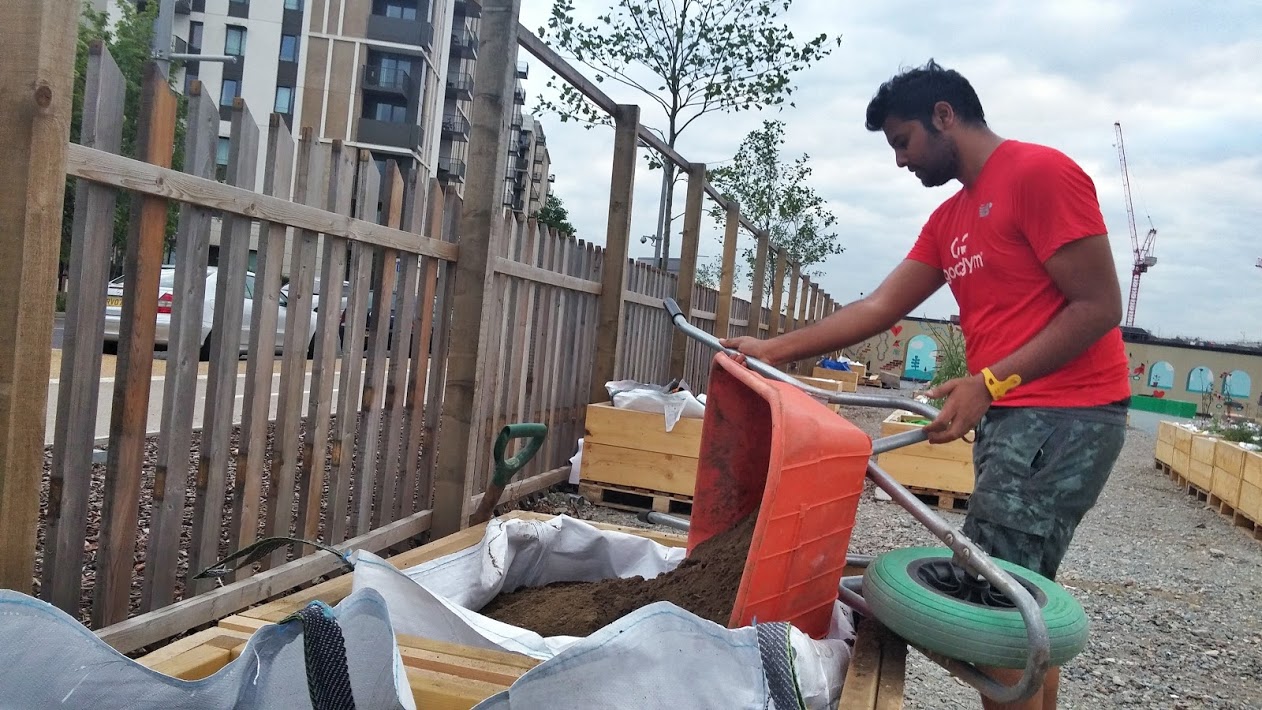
column 1201, row 379
column 1236, row 384
column 1161, row 376
column 922, row 359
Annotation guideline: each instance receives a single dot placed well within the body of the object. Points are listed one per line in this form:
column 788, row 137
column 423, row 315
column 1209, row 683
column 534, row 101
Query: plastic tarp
column 69, row 667
column 658, row 656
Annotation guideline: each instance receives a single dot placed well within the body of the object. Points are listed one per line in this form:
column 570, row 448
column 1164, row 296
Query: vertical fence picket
column 78, row 390
column 133, row 379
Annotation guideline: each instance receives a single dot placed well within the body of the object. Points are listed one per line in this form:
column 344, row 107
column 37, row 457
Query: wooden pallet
column 1215, row 503
column 635, row 499
column 942, row 500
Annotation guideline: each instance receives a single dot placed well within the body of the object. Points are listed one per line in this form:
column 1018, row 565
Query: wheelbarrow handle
column 967, row 554
column 504, row 469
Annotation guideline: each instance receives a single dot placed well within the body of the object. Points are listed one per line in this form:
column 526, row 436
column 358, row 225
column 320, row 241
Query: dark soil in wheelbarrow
column 705, row 584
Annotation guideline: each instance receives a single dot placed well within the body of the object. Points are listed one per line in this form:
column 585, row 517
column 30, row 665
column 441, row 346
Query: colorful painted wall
column 1214, row 380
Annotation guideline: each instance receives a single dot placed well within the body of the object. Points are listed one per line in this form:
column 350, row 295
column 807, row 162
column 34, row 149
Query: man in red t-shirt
column 1025, row 251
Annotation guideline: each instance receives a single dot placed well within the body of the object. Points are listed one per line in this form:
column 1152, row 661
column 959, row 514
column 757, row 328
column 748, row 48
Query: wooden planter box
column 1182, row 462
column 940, row 467
column 452, row 676
column 831, row 385
column 1201, row 466
column 632, row 449
column 1228, row 472
column 1251, row 487
column 850, row 378
column 1165, row 443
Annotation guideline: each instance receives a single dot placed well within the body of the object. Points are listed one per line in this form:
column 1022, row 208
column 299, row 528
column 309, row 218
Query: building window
column 386, row 110
column 221, row 159
column 393, row 70
column 189, row 78
column 195, row 37
column 293, row 4
column 239, row 2
column 234, row 41
column 397, row 9
column 284, row 99
column 288, row 48
column 231, row 90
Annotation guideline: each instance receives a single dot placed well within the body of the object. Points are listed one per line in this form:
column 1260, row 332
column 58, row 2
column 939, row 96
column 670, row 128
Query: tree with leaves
column 690, row 57
column 129, row 43
column 555, row 215
column 776, row 197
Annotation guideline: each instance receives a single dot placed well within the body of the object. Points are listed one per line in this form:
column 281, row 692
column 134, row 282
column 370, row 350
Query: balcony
column 523, row 70
column 183, row 7
column 400, row 135
column 464, row 43
column 519, row 96
column 460, row 87
column 456, row 127
column 387, row 80
column 541, row 139
column 451, row 169
column 418, row 33
column 471, row 9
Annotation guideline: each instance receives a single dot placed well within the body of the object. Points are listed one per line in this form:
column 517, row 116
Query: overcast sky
column 1183, row 78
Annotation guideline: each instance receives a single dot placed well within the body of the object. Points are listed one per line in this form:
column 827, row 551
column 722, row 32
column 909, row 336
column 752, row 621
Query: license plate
column 114, row 301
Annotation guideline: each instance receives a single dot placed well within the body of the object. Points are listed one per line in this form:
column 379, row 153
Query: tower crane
column 1144, row 259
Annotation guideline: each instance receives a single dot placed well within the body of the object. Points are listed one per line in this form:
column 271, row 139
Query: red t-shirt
column 991, row 241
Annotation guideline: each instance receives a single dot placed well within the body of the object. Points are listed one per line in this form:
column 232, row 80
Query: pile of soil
column 705, row 584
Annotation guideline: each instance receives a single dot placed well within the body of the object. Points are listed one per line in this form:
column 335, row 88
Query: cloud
column 1180, row 77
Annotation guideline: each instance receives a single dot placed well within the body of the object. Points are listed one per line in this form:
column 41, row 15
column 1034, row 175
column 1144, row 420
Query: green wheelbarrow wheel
column 917, row 593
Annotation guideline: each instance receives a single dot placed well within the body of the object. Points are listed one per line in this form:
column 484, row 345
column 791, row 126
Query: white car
column 166, row 296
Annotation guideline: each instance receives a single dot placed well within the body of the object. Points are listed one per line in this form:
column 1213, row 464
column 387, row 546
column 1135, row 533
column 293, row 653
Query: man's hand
column 756, row 348
column 967, row 399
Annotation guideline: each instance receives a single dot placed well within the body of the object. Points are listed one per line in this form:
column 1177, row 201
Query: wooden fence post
column 777, row 294
column 609, row 320
column 757, row 294
column 727, row 277
column 790, row 307
column 155, row 140
column 78, row 391
column 36, row 81
column 688, row 262
column 471, row 310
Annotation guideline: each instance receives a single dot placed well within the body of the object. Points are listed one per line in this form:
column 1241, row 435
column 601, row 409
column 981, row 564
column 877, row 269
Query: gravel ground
column 1172, row 589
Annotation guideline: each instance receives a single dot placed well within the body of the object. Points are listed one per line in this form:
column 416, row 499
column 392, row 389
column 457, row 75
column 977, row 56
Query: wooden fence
column 437, row 321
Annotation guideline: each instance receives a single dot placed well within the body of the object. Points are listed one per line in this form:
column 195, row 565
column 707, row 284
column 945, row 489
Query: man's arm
column 1084, row 272
column 907, row 286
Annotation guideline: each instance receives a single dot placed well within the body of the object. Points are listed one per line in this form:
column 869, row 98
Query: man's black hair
column 912, row 93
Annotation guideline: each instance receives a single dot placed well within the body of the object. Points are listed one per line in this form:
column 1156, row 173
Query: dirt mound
column 705, row 584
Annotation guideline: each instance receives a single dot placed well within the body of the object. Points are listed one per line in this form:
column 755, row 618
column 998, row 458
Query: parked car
column 166, row 302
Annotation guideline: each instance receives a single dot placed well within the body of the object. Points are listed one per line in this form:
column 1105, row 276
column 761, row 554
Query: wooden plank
column 863, row 678
column 351, row 379
column 78, row 394
column 790, row 314
column 759, row 287
column 368, row 497
column 635, row 468
column 688, row 263
column 422, row 344
column 531, row 273
column 166, row 652
column 311, row 186
column 777, row 295
column 192, row 247
column 394, row 378
column 129, row 416
column 125, row 173
column 610, row 318
column 225, row 347
column 311, row 477
column 643, row 300
column 727, row 273
column 458, row 439
column 436, row 388
column 645, row 431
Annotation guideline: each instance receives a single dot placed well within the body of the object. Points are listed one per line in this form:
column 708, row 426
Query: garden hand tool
column 505, row 469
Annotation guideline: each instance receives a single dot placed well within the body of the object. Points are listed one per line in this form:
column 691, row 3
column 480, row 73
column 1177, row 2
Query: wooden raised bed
column 937, row 467
column 630, row 449
column 448, row 676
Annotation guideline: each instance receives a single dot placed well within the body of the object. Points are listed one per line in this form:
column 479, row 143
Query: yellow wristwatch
column 997, row 387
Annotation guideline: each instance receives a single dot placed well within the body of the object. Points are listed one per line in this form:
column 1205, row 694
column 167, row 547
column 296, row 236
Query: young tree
column 128, row 41
column 555, row 215
column 776, row 197
column 690, row 57
column 710, row 272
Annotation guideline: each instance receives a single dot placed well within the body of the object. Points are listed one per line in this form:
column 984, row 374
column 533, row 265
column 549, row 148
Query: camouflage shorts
column 1039, row 470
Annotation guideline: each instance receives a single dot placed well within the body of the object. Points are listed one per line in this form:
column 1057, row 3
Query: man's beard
column 944, row 168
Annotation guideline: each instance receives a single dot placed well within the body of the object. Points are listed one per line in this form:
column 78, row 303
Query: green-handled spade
column 504, row 470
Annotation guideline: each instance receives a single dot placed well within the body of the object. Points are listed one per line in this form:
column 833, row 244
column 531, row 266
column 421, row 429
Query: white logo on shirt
column 966, row 264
